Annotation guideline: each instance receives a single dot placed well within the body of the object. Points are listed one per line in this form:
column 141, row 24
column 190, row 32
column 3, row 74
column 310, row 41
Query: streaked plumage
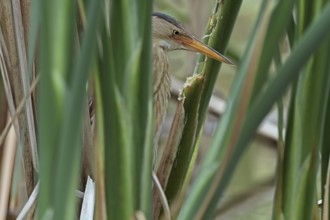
column 161, row 87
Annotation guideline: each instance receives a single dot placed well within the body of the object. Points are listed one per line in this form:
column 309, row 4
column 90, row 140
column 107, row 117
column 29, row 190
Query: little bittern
column 168, row 35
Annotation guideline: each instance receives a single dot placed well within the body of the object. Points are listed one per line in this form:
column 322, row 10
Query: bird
column 169, row 35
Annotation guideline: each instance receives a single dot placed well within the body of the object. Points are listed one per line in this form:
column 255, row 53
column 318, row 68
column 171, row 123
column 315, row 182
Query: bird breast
column 161, row 86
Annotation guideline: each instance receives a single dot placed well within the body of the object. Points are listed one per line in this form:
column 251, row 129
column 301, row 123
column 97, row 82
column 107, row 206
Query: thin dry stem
column 6, row 174
column 168, row 156
column 11, row 23
column 18, row 111
column 162, row 196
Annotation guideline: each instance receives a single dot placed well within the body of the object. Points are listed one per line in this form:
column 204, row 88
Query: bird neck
column 160, row 67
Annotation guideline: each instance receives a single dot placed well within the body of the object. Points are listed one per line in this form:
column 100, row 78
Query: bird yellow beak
column 195, row 45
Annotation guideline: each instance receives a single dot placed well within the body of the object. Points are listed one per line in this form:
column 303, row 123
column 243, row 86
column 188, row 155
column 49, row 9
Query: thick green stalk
column 117, row 140
column 71, row 131
column 219, row 28
column 142, row 111
column 54, row 67
column 60, row 156
column 192, row 96
column 125, row 81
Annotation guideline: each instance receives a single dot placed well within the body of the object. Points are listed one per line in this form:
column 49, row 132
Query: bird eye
column 175, row 32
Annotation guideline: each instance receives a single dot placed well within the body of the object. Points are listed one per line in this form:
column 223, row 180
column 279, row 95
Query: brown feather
column 161, row 89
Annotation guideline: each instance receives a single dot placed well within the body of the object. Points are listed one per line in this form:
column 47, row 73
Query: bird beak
column 193, row 44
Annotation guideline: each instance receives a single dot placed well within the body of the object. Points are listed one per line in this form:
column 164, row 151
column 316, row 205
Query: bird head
column 172, row 35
